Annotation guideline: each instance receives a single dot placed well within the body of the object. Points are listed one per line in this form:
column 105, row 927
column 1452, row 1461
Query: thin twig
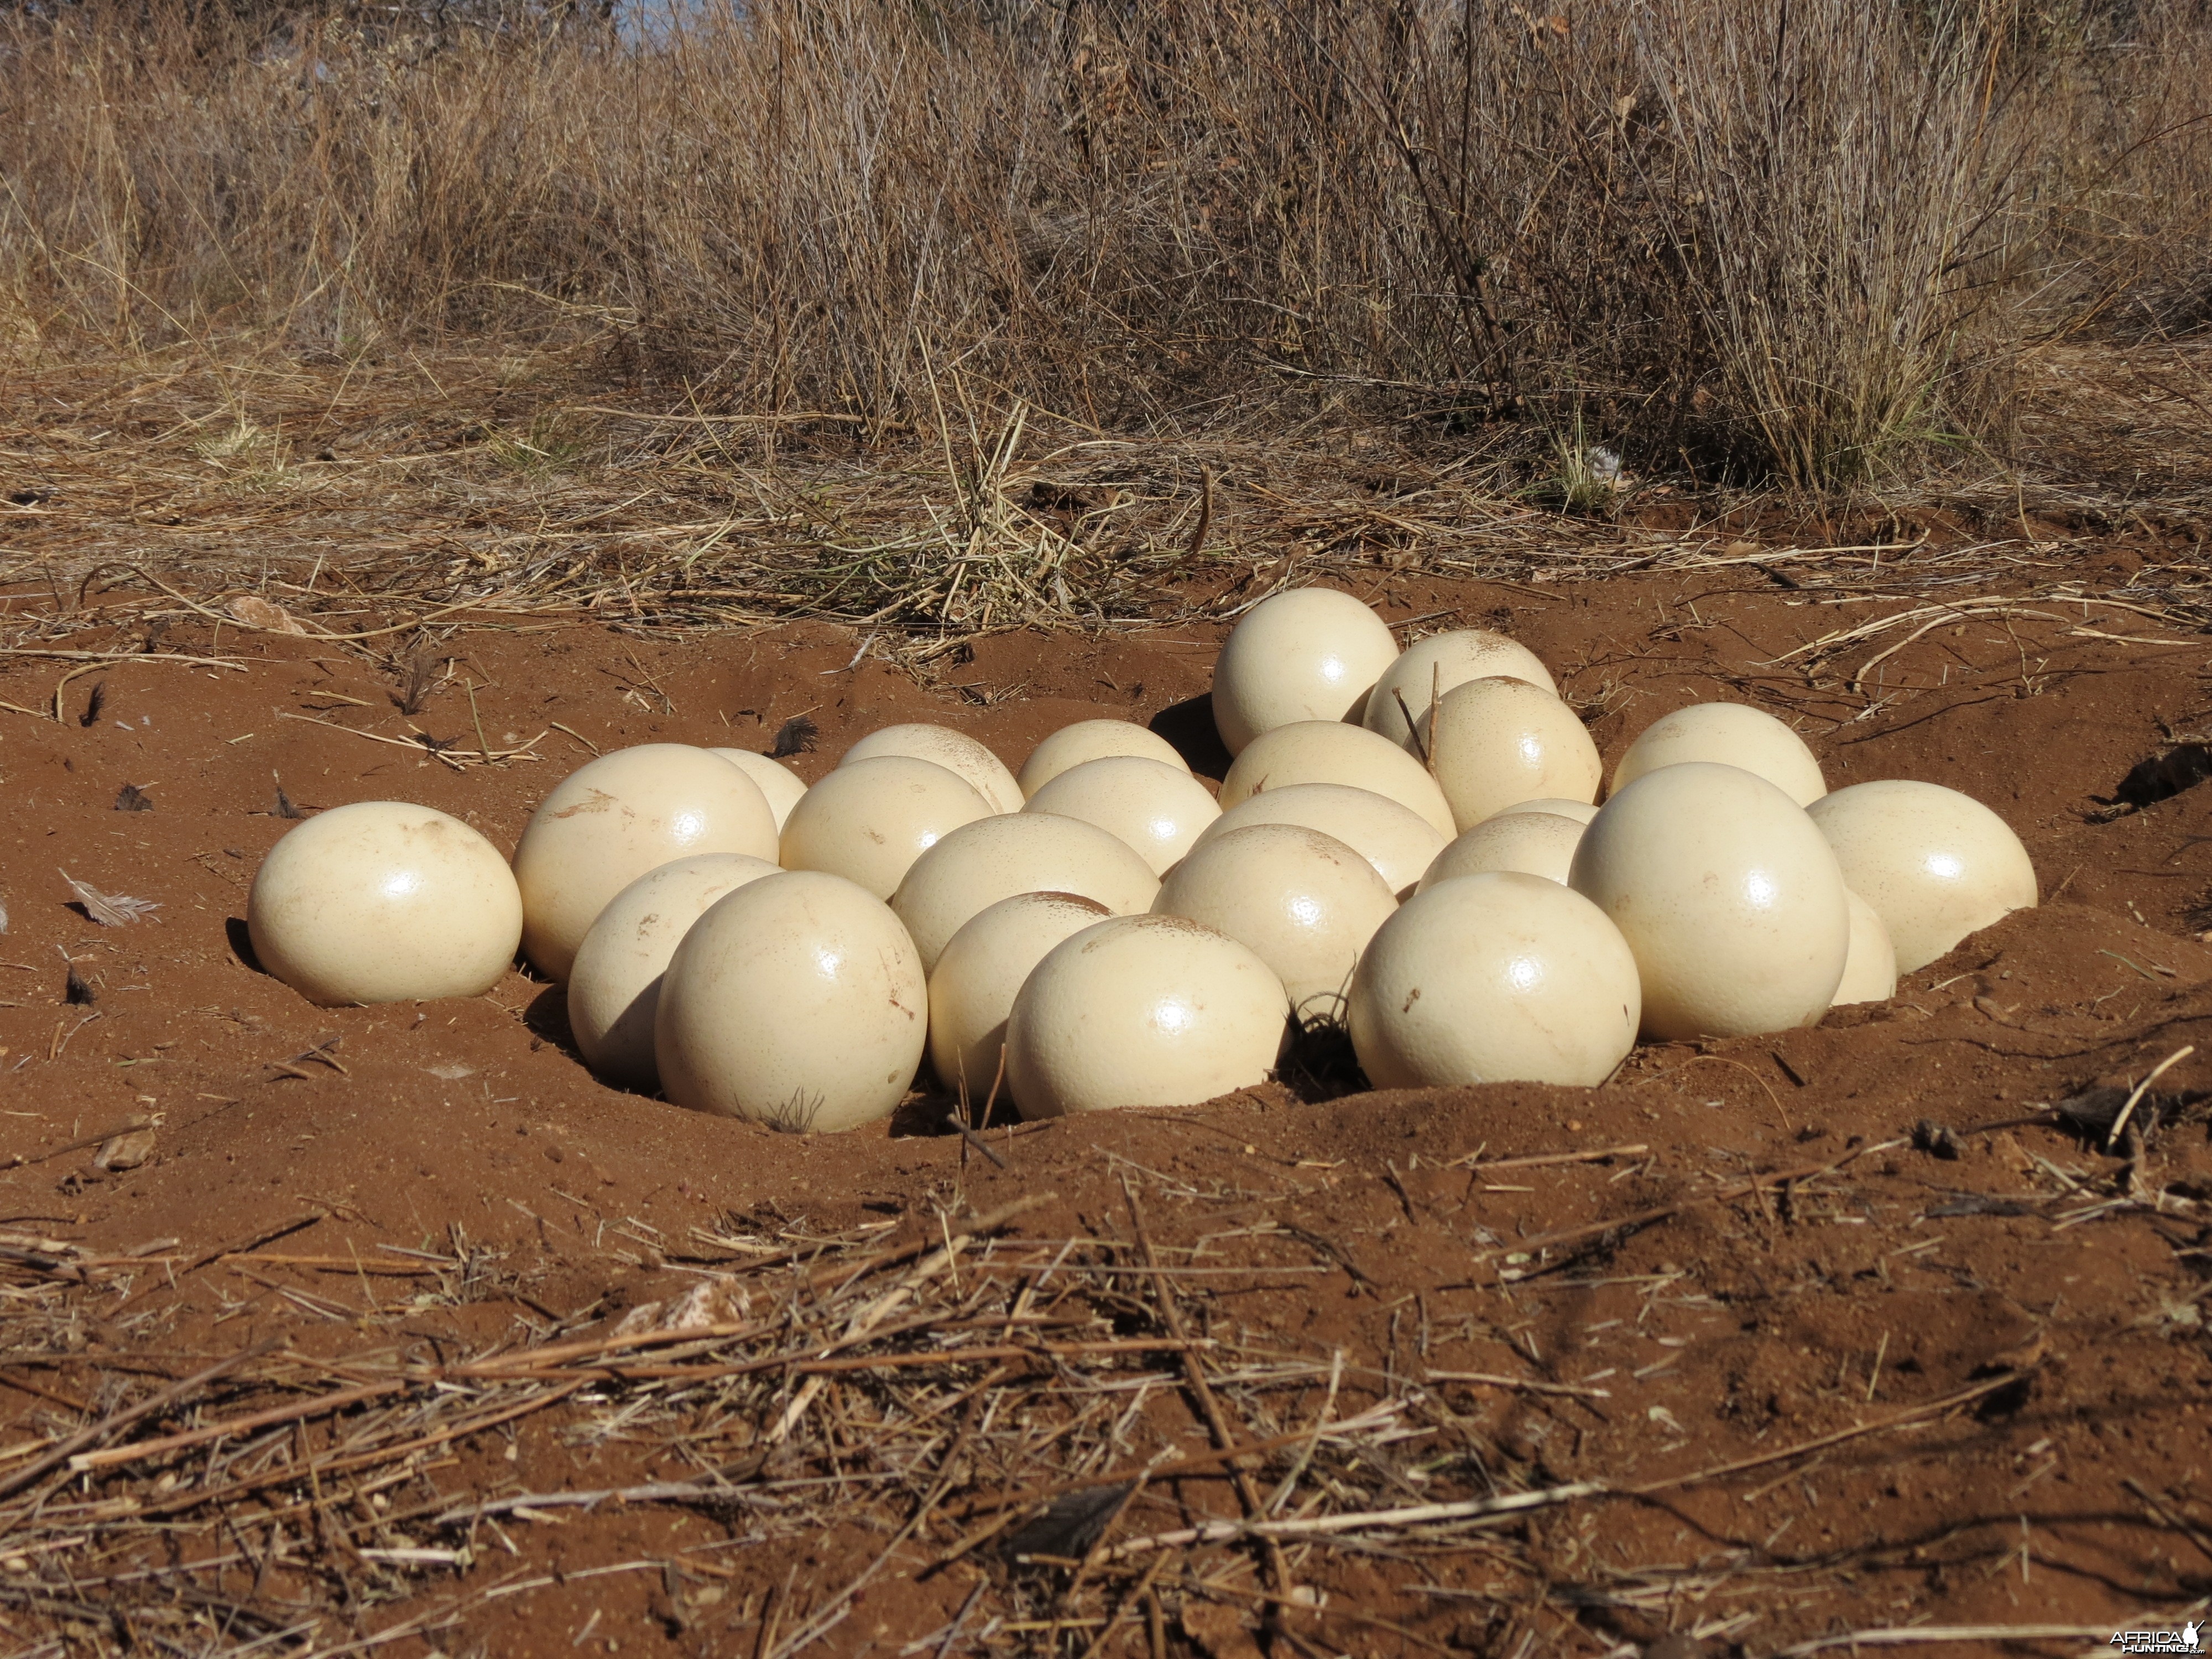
column 2120, row 1122
column 1217, row 1421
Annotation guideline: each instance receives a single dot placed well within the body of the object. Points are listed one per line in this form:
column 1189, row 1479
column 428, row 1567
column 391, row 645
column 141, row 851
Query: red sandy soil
column 2072, row 1279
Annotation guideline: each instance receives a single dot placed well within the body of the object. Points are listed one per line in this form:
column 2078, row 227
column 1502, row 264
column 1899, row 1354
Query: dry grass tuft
column 1810, row 247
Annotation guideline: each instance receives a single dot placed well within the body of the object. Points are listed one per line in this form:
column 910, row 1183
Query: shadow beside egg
column 1188, row 728
column 241, row 944
column 547, row 1019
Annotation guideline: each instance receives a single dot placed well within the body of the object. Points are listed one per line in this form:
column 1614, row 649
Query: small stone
column 125, row 1152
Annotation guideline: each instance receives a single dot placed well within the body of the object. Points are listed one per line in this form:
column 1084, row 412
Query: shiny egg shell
column 955, row 751
column 1533, row 843
column 1936, row 865
column 1870, row 966
column 1393, row 837
column 382, row 901
column 781, row 785
column 608, row 821
column 1429, row 668
column 1727, row 895
column 1732, row 733
column 1581, row 812
column 1311, row 653
column 979, row 973
column 1143, row 1011
column 996, row 858
column 1153, row 807
column 1493, row 742
column 1330, row 751
column 796, row 1001
column 1493, row 978
column 869, row 820
column 614, row 987
column 1303, row 902
column 1090, row 740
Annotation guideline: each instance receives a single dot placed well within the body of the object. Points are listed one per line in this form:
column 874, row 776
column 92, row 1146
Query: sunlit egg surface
column 1492, row 977
column 797, row 987
column 1305, row 910
column 1761, row 888
column 383, row 901
column 1142, row 1011
column 619, row 817
column 1302, row 655
column 1934, row 865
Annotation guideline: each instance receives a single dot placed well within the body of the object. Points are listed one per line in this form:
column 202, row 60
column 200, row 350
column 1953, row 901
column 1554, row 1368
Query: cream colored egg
column 796, row 1001
column 608, row 823
column 1732, row 733
column 1730, row 898
column 1936, row 865
column 1329, row 752
column 1010, row 853
column 1533, row 843
column 614, row 987
column 1143, row 1011
column 1090, row 740
column 381, row 902
column 1581, row 812
column 781, row 785
column 979, row 973
column 1871, row 967
column 1493, row 978
column 955, row 751
column 1309, row 654
column 1303, row 902
column 869, row 820
column 1434, row 665
column 1148, row 804
column 1395, row 839
column 1494, row 743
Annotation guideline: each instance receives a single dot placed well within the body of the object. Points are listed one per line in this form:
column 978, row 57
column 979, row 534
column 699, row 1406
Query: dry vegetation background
column 1817, row 244
column 932, row 320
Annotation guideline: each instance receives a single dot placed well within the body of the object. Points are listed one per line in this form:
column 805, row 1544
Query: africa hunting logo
column 2189, row 1638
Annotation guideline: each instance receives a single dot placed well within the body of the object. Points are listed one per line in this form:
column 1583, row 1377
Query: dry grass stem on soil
column 405, row 524
column 948, row 1398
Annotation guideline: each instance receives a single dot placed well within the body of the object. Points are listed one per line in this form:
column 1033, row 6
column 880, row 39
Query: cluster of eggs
column 1406, row 843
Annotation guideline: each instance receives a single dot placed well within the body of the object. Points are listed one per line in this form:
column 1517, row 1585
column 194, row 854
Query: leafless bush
column 1805, row 243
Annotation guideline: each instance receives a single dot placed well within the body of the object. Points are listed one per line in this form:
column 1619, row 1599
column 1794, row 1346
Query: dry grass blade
column 58, row 1456
column 1920, row 1635
column 1225, row 1438
column 912, row 1378
column 1416, row 1515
